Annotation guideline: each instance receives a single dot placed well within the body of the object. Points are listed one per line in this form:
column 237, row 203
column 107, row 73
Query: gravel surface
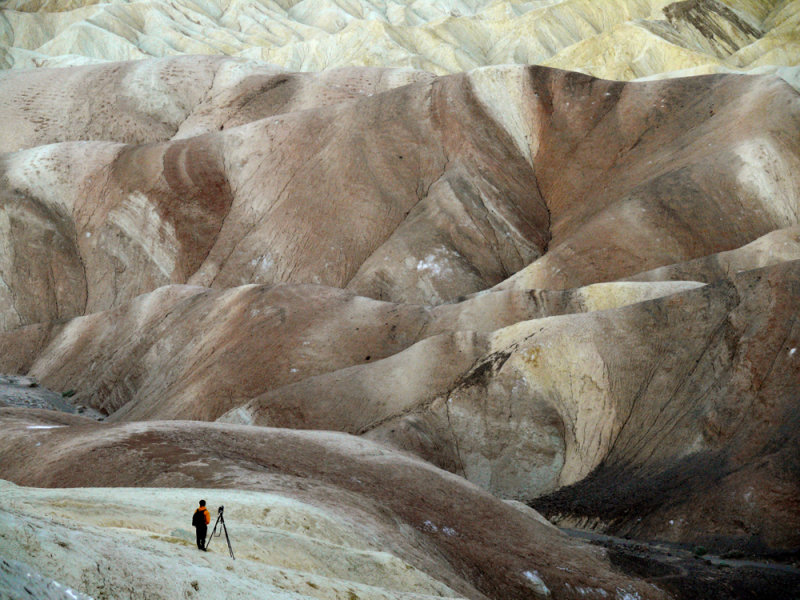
column 689, row 575
column 25, row 392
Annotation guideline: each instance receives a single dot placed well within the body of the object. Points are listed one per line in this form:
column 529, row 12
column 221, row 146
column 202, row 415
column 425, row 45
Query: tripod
column 221, row 519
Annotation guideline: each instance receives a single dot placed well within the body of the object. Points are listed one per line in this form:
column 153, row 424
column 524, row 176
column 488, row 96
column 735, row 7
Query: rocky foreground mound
column 341, row 512
column 575, row 293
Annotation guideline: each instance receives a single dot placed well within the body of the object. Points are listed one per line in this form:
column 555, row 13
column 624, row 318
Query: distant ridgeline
column 613, row 39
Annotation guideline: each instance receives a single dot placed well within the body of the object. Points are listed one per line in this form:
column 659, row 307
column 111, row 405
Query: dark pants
column 201, row 537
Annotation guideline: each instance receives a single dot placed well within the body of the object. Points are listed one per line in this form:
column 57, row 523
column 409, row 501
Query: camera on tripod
column 221, row 521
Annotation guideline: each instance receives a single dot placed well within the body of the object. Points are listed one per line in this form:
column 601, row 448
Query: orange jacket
column 205, row 510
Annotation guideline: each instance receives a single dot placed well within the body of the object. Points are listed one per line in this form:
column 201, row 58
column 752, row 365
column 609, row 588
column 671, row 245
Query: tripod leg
column 212, row 533
column 228, row 539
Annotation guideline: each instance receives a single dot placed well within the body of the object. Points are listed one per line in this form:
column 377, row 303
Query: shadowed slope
column 20, row 581
column 707, row 451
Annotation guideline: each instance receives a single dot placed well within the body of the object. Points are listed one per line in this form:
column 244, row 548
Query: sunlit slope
column 618, row 39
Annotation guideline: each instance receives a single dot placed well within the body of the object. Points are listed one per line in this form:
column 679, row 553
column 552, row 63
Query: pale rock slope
column 617, row 39
column 632, row 397
column 284, row 548
column 194, row 353
column 521, row 392
column 22, row 582
column 774, row 248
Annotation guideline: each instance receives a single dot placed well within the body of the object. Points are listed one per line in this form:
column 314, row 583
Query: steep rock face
column 461, row 536
column 629, row 180
column 714, row 26
column 689, row 37
column 419, row 194
column 616, row 39
column 144, row 216
column 735, row 429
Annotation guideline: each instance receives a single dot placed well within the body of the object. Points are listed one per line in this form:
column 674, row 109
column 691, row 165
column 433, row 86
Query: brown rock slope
column 471, row 541
column 709, row 436
column 420, row 193
column 194, row 353
column 141, row 102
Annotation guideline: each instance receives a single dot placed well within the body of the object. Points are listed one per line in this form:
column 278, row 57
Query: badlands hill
column 229, row 174
column 615, row 39
column 383, row 314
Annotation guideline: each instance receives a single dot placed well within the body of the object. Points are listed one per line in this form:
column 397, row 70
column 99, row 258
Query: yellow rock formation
column 618, row 39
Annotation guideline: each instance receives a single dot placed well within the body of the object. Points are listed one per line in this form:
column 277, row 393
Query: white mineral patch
column 537, row 583
column 590, row 592
column 429, row 264
column 264, row 264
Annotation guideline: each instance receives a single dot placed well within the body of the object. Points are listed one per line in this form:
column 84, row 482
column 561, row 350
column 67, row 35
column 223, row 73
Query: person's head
column 202, row 502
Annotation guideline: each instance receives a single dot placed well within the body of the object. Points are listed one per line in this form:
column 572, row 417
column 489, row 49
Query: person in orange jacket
column 200, row 521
